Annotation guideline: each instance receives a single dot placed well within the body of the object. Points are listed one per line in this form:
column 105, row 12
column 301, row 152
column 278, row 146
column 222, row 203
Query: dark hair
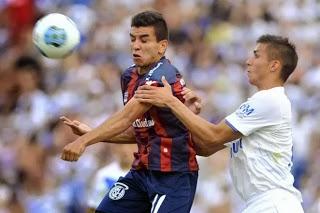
column 27, row 62
column 154, row 19
column 30, row 64
column 282, row 49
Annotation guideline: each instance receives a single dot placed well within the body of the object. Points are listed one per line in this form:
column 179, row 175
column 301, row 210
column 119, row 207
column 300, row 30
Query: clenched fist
column 73, row 151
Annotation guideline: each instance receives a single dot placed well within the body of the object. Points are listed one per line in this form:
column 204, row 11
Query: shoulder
column 263, row 98
column 266, row 103
column 126, row 76
column 272, row 98
column 128, row 72
column 163, row 68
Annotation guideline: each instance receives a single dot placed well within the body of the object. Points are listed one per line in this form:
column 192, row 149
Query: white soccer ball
column 56, row 35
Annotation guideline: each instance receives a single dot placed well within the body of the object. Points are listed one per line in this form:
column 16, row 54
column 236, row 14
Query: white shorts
column 274, row 201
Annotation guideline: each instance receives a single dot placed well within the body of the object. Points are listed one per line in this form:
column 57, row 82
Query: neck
column 144, row 69
column 270, row 85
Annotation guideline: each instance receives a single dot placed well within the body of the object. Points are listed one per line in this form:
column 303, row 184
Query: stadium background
column 209, row 42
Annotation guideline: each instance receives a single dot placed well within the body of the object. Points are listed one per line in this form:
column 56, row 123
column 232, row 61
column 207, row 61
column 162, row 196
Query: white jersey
column 102, row 183
column 261, row 159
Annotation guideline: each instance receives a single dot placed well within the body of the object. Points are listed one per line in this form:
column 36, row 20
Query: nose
column 248, row 62
column 136, row 45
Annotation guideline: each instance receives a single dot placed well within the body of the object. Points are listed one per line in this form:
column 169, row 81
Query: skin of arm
column 112, row 127
column 192, row 101
column 127, row 137
column 208, row 137
column 79, row 128
column 202, row 150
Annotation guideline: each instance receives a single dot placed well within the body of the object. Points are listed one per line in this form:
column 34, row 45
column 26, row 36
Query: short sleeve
column 177, row 88
column 253, row 115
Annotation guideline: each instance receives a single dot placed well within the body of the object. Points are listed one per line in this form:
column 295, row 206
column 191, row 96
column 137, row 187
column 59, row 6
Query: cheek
column 150, row 51
column 257, row 68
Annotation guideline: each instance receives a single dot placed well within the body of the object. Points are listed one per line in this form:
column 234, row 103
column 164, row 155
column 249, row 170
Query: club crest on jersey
column 118, row 191
column 244, row 110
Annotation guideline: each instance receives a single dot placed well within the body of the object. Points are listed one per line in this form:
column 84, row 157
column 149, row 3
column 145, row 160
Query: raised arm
column 115, row 125
column 209, row 137
column 79, row 128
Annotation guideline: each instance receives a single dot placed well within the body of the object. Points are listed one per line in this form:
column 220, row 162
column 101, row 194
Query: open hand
column 161, row 96
column 77, row 127
column 157, row 96
column 192, row 101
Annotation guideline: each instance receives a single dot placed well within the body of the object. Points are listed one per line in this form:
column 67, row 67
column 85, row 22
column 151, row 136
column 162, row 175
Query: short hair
column 282, row 49
column 29, row 63
column 154, row 19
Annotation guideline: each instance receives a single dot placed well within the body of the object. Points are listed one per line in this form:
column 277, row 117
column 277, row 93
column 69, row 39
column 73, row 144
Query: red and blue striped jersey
column 164, row 143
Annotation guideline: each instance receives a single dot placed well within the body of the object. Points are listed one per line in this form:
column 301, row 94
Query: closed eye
column 132, row 38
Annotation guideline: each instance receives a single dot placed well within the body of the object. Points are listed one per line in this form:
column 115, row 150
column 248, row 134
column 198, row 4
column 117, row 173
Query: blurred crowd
column 209, row 43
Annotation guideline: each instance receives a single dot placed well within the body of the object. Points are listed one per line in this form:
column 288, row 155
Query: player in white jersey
column 260, row 129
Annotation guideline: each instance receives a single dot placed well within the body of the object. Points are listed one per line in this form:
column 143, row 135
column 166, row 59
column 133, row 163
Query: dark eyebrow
column 141, row 36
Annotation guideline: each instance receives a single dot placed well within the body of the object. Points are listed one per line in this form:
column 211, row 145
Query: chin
column 252, row 82
column 137, row 62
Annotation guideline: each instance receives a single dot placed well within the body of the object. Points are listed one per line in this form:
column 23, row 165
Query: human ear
column 163, row 47
column 275, row 65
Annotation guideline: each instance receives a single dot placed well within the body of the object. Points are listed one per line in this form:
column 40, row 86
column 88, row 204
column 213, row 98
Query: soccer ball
column 55, row 35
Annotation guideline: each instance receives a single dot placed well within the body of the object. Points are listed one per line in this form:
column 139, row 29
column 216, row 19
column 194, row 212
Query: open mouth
column 136, row 55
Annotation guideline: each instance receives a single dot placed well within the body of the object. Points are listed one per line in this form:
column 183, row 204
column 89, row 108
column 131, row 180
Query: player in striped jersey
column 164, row 173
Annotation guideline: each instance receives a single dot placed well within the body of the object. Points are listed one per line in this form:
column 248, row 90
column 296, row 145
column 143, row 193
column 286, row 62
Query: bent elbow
column 203, row 153
column 203, row 148
column 208, row 147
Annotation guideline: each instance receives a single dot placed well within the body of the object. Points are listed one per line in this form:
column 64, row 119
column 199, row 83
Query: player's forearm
column 198, row 126
column 107, row 130
column 205, row 151
column 127, row 137
column 123, row 138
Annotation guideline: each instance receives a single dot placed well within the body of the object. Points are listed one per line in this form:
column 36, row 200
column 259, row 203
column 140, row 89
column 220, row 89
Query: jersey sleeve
column 124, row 81
column 177, row 88
column 254, row 115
